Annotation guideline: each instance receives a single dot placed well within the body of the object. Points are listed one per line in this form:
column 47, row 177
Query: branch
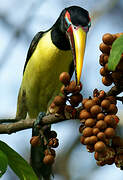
column 115, row 90
column 27, row 123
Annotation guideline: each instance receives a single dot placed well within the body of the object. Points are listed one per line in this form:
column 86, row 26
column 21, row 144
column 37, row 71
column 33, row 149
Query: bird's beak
column 77, row 37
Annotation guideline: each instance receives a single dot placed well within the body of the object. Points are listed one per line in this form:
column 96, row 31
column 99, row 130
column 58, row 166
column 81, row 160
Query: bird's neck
column 59, row 39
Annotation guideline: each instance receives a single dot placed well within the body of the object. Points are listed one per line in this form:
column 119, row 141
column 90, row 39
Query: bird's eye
column 74, row 27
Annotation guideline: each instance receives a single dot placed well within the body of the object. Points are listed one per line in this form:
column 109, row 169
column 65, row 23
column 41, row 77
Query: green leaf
column 3, row 163
column 115, row 53
column 22, row 169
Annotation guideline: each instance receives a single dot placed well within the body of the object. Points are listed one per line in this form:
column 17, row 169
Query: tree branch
column 115, row 90
column 27, row 123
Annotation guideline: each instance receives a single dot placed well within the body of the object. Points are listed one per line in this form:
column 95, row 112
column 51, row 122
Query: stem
column 115, row 90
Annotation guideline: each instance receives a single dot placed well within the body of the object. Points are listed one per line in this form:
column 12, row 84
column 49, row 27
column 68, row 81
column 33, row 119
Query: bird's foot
column 37, row 122
column 39, row 118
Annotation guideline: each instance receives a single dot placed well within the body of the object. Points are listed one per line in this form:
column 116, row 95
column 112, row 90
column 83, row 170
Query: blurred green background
column 19, row 22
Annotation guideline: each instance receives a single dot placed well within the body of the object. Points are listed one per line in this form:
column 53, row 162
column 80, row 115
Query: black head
column 78, row 17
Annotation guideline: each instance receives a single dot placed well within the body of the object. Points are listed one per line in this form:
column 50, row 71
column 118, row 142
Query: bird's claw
column 39, row 119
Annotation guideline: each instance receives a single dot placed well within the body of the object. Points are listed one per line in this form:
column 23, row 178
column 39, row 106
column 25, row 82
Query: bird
column 58, row 49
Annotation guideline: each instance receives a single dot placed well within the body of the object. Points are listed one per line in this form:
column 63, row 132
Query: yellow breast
column 41, row 76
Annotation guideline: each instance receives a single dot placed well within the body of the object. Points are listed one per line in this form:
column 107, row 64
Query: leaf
column 115, row 53
column 22, row 169
column 3, row 163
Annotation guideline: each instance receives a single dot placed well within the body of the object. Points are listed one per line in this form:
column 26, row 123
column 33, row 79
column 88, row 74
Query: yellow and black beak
column 77, row 37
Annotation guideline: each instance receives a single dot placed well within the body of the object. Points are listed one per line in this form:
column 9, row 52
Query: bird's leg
column 39, row 118
column 38, row 122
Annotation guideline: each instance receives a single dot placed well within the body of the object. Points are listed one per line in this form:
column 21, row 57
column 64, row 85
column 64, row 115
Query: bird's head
column 74, row 22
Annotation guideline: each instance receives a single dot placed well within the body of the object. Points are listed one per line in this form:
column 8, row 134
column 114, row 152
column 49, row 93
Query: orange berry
column 96, row 109
column 110, row 121
column 100, row 146
column 100, row 116
column 101, row 124
column 35, row 141
column 113, row 109
column 109, row 132
column 64, row 78
column 88, row 104
column 108, row 39
column 101, row 136
column 87, row 132
column 104, row 48
column 101, row 60
column 106, row 59
column 106, row 81
column 105, row 104
column 93, row 139
column 48, row 159
column 95, row 131
column 87, row 141
column 90, row 122
column 103, row 71
column 84, row 114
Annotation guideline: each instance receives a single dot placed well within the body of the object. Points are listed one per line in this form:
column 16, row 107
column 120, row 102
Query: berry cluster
column 49, row 140
column 109, row 77
column 70, row 94
column 98, row 123
column 98, row 128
